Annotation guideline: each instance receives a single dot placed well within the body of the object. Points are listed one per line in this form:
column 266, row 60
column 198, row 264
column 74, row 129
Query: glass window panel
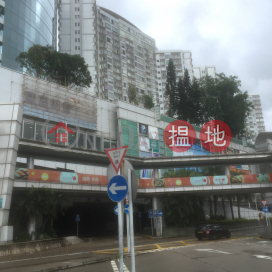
column 113, row 144
column 81, row 140
column 28, row 130
column 98, row 143
column 106, row 143
column 91, row 139
column 71, row 136
column 51, row 137
column 39, row 132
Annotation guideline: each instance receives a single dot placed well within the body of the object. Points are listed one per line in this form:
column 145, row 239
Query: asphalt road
column 243, row 252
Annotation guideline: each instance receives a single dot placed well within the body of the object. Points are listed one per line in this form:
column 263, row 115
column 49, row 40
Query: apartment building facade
column 255, row 121
column 182, row 60
column 117, row 52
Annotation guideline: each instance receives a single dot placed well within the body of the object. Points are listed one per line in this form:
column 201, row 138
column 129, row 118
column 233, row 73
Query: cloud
column 233, row 35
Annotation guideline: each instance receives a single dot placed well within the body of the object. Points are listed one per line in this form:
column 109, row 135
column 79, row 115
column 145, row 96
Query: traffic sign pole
column 128, row 233
column 120, row 230
column 131, row 222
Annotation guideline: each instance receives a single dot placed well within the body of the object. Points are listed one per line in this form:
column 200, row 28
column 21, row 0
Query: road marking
column 213, row 251
column 115, row 268
column 158, row 246
column 262, row 242
column 263, row 257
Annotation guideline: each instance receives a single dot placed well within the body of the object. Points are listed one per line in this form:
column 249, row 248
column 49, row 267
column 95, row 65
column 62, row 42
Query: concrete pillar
column 156, row 221
column 156, row 173
column 30, row 163
column 154, row 203
column 32, row 228
column 10, row 127
column 227, row 171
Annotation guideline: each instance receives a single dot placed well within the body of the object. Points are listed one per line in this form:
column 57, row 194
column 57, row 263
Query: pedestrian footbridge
column 70, row 181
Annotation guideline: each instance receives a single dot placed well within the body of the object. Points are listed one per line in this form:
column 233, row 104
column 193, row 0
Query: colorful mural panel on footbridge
column 89, row 179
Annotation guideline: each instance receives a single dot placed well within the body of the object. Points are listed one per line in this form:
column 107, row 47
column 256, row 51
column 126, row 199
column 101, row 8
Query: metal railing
column 44, row 251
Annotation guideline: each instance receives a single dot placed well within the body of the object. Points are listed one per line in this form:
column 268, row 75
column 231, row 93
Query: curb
column 146, row 236
column 58, row 268
column 265, row 237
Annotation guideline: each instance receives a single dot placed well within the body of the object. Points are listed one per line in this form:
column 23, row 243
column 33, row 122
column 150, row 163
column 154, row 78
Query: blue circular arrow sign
column 126, row 208
column 117, row 188
column 159, row 213
column 265, row 209
column 116, row 210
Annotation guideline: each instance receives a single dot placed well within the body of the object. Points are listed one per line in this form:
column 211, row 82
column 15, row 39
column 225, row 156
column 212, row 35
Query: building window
column 106, row 143
column 75, row 24
column 38, row 136
column 78, row 39
column 75, row 47
column 108, row 39
column 75, row 39
column 28, row 130
column 76, row 32
column 78, row 47
column 113, row 144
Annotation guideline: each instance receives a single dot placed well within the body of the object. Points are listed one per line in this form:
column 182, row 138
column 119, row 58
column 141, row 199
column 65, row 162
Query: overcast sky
column 233, row 35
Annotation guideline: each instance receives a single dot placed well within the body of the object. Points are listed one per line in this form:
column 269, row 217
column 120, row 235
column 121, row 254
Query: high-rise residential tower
column 255, row 120
column 182, row 60
column 117, row 52
column 23, row 24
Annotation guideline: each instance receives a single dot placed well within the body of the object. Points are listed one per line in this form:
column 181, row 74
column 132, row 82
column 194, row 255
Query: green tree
column 46, row 63
column 171, row 89
column 35, row 60
column 182, row 211
column 147, row 101
column 182, row 106
column 37, row 202
column 223, row 100
column 133, row 96
column 182, row 172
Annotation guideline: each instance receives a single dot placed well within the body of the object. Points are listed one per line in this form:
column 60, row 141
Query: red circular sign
column 215, row 136
column 179, row 136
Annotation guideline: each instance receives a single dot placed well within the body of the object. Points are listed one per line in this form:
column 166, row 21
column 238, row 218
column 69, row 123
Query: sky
column 233, row 35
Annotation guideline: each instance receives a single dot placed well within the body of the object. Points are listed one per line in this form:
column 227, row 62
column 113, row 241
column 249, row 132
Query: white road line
column 116, row 269
column 213, row 251
column 262, row 242
column 263, row 257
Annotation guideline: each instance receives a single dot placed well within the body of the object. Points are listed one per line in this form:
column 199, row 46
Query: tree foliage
column 46, row 63
column 200, row 101
column 147, row 101
column 223, row 100
column 133, row 96
column 182, row 172
column 188, row 104
column 182, row 211
column 37, row 202
column 171, row 89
